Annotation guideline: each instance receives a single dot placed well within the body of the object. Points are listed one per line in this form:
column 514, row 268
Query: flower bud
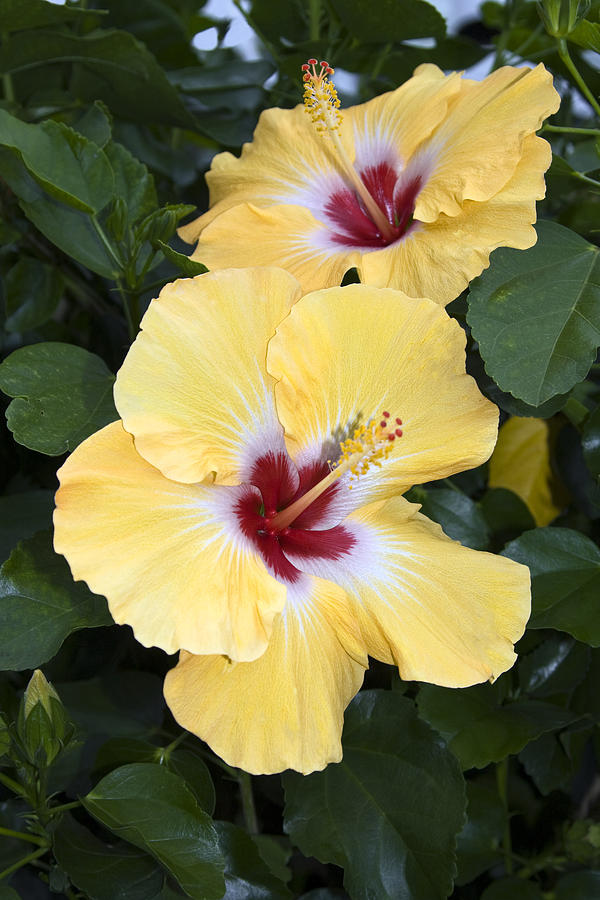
column 43, row 724
column 560, row 17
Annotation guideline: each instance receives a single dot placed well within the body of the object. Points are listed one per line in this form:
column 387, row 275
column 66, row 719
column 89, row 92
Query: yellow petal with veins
column 193, row 389
column 521, row 463
column 284, row 710
column 344, row 355
column 441, row 612
column 169, row 557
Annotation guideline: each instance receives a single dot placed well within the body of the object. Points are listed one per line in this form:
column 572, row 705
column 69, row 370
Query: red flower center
column 354, row 227
column 279, row 484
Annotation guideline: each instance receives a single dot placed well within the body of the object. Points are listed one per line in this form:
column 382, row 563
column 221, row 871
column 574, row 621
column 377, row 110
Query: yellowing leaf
column 521, row 463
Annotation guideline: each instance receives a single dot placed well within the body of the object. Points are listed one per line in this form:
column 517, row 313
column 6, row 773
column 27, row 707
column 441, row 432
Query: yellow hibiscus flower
column 415, row 188
column 248, row 511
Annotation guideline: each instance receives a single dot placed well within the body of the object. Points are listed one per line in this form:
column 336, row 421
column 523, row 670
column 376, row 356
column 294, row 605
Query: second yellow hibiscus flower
column 415, row 188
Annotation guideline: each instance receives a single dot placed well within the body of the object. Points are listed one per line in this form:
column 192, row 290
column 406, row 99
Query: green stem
column 7, row 82
column 22, row 836
column 575, row 411
column 23, row 862
column 14, row 786
column 107, row 244
column 53, row 810
column 380, row 60
column 248, row 808
column 585, row 178
column 314, row 19
column 502, row 783
column 132, row 325
column 564, row 129
column 163, row 753
column 563, row 52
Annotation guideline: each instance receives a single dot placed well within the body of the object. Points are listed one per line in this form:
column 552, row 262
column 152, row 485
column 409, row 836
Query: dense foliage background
column 109, row 119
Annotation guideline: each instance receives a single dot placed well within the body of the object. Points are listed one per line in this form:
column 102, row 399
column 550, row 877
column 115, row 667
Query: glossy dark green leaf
column 133, row 182
column 118, row 872
column 381, row 22
column 512, row 889
column 183, row 263
column 63, row 162
column 554, row 668
column 247, row 876
column 4, row 737
column 479, row 729
column 553, row 760
column 62, row 394
column 536, row 314
column 110, row 65
column 590, row 440
column 460, row 517
column 32, row 290
column 276, row 851
column 21, row 515
column 152, row 808
column 96, row 124
column 405, row 789
column 506, row 515
column 193, row 770
column 565, row 580
column 479, row 843
column 579, row 886
column 40, row 604
column 7, row 893
column 16, row 15
column 123, row 703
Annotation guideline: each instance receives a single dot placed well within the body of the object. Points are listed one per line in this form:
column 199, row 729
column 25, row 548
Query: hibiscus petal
column 440, row 259
column 286, row 236
column 344, row 355
column 441, row 612
column 480, row 143
column 284, row 710
column 193, row 389
column 169, row 557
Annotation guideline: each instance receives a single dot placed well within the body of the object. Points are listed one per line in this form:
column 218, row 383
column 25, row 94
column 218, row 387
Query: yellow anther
column 320, row 96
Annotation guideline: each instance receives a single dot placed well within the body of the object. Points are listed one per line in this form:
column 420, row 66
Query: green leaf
column 459, row 516
column 40, row 604
column 96, row 125
column 4, row 737
column 536, row 314
column 63, row 394
column 247, row 876
column 16, row 15
column 590, row 440
column 21, row 515
column 479, row 843
column 578, row 886
column 389, row 812
column 109, row 65
column 153, row 809
column 565, row 580
column 479, row 729
column 188, row 267
column 119, row 872
column 555, row 667
column 7, row 893
column 512, row 889
column 276, row 851
column 381, row 22
column 587, row 35
column 64, row 163
column 505, row 514
column 32, row 290
column 133, row 182
column 553, row 760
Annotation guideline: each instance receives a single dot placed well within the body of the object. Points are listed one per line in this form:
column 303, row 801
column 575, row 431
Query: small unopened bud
column 38, row 691
column 43, row 724
column 561, row 17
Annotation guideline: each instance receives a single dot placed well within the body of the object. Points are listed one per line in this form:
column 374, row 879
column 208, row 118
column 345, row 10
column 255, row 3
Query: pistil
column 322, row 103
column 369, row 445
